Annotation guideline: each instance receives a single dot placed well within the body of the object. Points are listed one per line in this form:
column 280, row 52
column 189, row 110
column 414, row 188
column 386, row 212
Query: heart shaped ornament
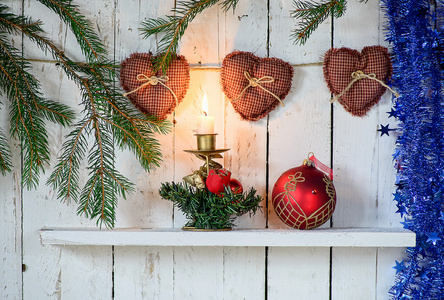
column 154, row 93
column 255, row 85
column 357, row 79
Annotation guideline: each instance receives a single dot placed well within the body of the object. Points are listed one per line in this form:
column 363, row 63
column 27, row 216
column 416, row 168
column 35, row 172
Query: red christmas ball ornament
column 217, row 180
column 236, row 186
column 304, row 197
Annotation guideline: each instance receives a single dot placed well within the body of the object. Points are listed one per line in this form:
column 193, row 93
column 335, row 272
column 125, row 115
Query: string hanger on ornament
column 153, row 80
column 358, row 75
column 256, row 82
column 312, row 161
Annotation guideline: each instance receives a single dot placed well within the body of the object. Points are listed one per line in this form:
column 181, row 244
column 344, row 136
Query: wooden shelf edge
column 328, row 237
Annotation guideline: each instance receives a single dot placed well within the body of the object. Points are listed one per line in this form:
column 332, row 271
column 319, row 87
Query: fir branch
column 108, row 116
column 173, row 27
column 5, row 155
column 90, row 43
column 28, row 111
column 312, row 15
column 206, row 210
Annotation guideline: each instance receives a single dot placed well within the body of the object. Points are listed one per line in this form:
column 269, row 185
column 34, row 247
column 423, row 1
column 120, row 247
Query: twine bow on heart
column 256, row 82
column 153, row 80
column 358, row 75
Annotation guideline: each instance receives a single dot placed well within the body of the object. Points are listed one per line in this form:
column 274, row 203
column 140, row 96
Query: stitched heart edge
column 150, row 57
column 275, row 103
column 377, row 96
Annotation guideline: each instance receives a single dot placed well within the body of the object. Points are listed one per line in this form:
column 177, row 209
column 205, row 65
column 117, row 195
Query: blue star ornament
column 433, row 238
column 423, row 274
column 392, row 113
column 402, row 210
column 399, row 266
column 385, row 129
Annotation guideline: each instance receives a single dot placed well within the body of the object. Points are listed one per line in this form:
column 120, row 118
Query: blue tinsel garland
column 415, row 32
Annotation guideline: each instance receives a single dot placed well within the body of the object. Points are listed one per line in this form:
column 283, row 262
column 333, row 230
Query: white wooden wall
column 260, row 152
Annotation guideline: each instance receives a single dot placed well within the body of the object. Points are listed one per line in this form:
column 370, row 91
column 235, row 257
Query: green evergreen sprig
column 173, row 26
column 206, row 210
column 29, row 108
column 311, row 14
column 108, row 120
column 5, row 154
column 87, row 38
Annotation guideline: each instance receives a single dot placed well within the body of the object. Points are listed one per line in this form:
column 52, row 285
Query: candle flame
column 205, row 105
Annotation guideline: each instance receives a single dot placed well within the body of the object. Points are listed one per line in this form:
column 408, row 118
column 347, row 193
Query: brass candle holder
column 206, row 149
column 206, row 142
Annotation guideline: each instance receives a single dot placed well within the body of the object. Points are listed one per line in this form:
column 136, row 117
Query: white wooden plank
column 387, row 216
column 244, row 273
column 354, row 274
column 84, row 272
column 282, row 45
column 302, row 126
column 144, row 207
column 298, row 274
column 45, row 263
column 244, row 267
column 198, row 273
column 246, row 28
column 356, row 165
column 143, row 273
column 200, row 43
column 386, row 258
column 10, row 221
column 355, row 138
column 327, row 237
column 129, row 16
column 11, row 201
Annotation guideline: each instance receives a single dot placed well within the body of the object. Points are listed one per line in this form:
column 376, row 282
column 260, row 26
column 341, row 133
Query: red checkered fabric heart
column 154, row 93
column 340, row 64
column 255, row 85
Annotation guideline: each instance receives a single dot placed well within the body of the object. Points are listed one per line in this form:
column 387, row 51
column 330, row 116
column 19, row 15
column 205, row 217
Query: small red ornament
column 304, row 197
column 236, row 186
column 217, row 180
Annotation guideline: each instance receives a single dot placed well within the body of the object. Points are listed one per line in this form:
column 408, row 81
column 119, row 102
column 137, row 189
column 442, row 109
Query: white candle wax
column 205, row 125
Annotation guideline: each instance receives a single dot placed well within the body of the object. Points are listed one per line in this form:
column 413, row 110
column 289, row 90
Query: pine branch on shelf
column 206, row 210
column 108, row 119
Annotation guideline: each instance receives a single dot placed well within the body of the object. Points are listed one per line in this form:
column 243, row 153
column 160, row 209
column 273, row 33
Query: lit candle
column 205, row 123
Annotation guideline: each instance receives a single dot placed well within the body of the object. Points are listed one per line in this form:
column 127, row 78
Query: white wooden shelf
column 328, row 237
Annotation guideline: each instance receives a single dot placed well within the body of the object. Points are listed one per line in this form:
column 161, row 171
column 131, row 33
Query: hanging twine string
column 153, row 80
column 255, row 82
column 358, row 75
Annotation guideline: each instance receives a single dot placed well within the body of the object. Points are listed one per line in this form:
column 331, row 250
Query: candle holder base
column 207, row 155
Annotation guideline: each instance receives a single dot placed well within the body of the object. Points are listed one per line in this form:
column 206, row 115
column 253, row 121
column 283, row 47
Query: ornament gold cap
column 308, row 162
